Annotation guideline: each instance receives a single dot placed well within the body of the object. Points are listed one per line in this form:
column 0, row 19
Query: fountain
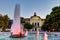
column 26, row 33
column 17, row 28
column 45, row 36
column 37, row 33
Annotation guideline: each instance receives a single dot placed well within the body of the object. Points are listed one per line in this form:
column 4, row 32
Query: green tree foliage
column 28, row 26
column 1, row 21
column 4, row 21
column 22, row 19
column 52, row 22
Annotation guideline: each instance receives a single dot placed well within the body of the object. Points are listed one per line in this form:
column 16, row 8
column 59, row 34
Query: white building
column 36, row 21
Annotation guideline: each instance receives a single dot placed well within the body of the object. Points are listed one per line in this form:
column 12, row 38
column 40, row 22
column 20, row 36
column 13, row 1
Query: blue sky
column 28, row 7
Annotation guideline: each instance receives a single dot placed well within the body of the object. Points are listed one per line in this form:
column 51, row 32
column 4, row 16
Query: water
column 31, row 37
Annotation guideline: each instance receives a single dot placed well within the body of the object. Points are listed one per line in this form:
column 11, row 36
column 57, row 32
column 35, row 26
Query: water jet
column 17, row 28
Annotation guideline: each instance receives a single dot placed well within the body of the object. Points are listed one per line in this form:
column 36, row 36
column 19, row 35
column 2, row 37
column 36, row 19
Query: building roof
column 35, row 15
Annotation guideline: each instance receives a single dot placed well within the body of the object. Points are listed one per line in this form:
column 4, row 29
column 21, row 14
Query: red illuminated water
column 17, row 28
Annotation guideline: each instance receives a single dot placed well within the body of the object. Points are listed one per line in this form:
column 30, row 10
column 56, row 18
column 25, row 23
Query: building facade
column 36, row 21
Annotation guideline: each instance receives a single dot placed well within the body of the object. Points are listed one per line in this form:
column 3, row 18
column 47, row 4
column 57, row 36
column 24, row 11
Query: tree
column 6, row 22
column 22, row 19
column 1, row 21
column 28, row 26
column 53, row 20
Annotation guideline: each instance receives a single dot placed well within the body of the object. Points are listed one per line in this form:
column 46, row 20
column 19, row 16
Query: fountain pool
column 32, row 37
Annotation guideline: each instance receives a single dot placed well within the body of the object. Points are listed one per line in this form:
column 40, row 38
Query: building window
column 35, row 23
column 38, row 23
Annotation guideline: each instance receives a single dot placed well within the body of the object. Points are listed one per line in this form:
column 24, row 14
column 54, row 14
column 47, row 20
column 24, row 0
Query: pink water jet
column 26, row 33
column 17, row 27
column 37, row 33
column 45, row 36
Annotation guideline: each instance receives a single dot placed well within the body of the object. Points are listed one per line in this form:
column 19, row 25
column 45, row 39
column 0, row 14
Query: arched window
column 35, row 23
column 38, row 23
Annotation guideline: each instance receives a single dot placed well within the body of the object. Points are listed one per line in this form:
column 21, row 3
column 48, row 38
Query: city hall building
column 36, row 21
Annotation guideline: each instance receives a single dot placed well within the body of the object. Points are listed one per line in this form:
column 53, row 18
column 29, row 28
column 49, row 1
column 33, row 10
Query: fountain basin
column 31, row 36
column 17, row 35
